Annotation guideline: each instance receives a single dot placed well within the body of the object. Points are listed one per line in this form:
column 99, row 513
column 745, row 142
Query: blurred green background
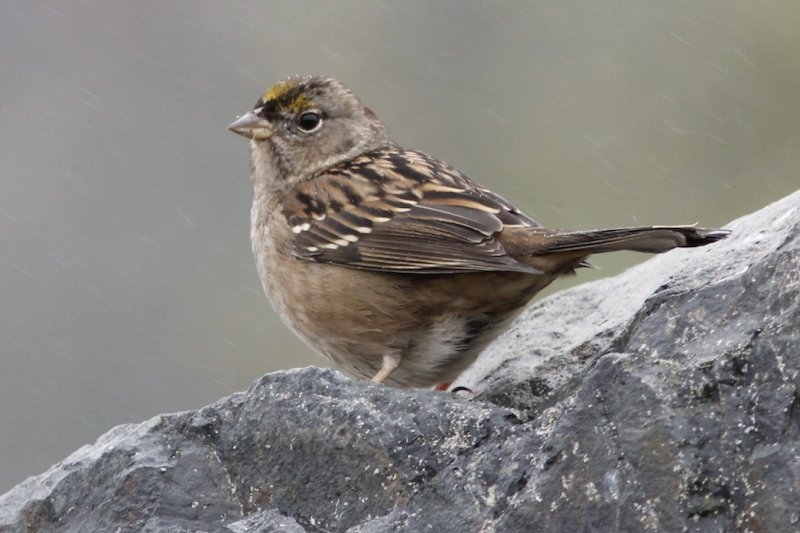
column 126, row 279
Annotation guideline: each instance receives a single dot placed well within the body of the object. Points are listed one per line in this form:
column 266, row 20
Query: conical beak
column 251, row 126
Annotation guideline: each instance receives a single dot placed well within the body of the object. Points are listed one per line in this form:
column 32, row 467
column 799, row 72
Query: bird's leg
column 389, row 363
column 442, row 386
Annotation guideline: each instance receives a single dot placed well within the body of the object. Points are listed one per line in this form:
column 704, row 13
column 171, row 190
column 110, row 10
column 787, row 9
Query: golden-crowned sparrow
column 386, row 260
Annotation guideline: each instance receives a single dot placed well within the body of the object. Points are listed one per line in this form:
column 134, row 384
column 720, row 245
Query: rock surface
column 663, row 399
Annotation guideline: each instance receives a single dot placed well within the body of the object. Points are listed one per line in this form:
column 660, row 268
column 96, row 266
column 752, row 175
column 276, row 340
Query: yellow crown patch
column 280, row 90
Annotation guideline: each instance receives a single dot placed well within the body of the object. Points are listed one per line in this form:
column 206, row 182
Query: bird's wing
column 401, row 211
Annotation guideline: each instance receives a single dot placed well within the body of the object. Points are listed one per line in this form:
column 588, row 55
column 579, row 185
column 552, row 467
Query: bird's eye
column 309, row 121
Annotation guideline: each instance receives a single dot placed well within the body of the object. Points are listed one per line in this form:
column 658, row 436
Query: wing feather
column 401, row 211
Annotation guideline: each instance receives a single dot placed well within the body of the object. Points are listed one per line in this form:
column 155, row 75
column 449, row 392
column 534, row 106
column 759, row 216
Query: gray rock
column 663, row 399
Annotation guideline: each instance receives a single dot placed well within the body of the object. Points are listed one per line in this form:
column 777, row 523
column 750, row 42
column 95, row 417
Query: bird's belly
column 437, row 324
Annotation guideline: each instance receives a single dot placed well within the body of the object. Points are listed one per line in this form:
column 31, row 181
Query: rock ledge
column 664, row 399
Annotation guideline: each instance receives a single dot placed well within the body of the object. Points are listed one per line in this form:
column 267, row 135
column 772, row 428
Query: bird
column 386, row 260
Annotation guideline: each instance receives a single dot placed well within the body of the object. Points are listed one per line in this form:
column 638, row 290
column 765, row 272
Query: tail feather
column 650, row 239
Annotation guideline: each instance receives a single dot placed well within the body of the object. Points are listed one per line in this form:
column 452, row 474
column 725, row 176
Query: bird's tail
column 650, row 239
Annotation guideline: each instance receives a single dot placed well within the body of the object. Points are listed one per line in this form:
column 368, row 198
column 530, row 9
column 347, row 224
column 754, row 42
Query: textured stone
column 664, row 399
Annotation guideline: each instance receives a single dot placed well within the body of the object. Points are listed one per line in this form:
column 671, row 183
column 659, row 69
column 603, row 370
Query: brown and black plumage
column 391, row 262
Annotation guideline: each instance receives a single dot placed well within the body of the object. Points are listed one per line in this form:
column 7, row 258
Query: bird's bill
column 251, row 126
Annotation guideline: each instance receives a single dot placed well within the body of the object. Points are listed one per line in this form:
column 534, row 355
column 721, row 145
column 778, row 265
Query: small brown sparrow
column 386, row 260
